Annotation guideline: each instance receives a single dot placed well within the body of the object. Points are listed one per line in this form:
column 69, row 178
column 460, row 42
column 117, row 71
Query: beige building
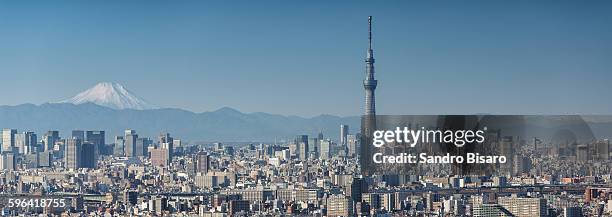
column 524, row 207
column 339, row 205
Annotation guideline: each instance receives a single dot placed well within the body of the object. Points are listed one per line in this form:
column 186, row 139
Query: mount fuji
column 112, row 95
column 111, row 107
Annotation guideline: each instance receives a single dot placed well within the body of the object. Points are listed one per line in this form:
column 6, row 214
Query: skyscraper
column 25, row 142
column 167, row 142
column 45, row 158
column 119, row 149
column 142, row 146
column 353, row 144
column 369, row 84
column 8, row 140
column 325, row 152
column 96, row 137
column 20, row 143
column 344, row 130
column 88, row 155
column 313, row 146
column 8, row 161
column 357, row 187
column 203, row 162
column 72, row 153
column 79, row 134
column 302, row 146
column 130, row 138
column 49, row 139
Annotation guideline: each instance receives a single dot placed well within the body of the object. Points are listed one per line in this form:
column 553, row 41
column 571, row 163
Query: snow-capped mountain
column 112, row 95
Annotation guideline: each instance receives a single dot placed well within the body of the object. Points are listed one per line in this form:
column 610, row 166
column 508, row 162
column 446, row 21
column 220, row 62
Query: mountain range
column 111, row 107
column 225, row 124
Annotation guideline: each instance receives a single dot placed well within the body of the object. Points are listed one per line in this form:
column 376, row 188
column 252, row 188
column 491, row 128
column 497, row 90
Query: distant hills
column 225, row 124
column 111, row 107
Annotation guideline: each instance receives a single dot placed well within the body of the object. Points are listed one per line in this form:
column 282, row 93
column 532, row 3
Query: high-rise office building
column 582, row 153
column 344, row 131
column 25, row 142
column 142, row 147
column 203, row 162
column 8, row 161
column 357, row 187
column 159, row 204
column 97, row 138
column 49, row 139
column 20, row 143
column 167, row 142
column 130, row 138
column 302, row 146
column 72, row 153
column 79, row 134
column 88, row 155
column 353, row 143
column 159, row 157
column 30, row 161
column 325, row 152
column 602, row 149
column 32, row 143
column 8, row 140
column 313, row 146
column 45, row 158
column 119, row 149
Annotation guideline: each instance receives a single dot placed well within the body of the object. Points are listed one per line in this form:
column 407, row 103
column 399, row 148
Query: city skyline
column 225, row 109
column 440, row 58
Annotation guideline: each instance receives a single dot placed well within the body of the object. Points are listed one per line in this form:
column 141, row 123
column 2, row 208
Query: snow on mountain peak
column 112, row 95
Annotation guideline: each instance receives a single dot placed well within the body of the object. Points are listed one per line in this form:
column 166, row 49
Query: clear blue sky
column 306, row 57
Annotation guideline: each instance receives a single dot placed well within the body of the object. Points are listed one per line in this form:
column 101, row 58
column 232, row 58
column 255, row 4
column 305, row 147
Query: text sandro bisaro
column 420, row 136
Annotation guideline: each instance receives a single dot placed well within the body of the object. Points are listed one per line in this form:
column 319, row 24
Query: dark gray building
column 79, row 134
column 97, row 137
column 142, row 146
column 302, row 146
column 88, row 155
column 203, row 162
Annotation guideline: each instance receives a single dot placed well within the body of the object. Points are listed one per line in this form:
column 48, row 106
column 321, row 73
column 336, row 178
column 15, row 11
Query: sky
column 306, row 58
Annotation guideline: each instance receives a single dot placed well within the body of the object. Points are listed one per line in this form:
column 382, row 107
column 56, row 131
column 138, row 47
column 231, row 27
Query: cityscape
column 81, row 173
column 109, row 152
